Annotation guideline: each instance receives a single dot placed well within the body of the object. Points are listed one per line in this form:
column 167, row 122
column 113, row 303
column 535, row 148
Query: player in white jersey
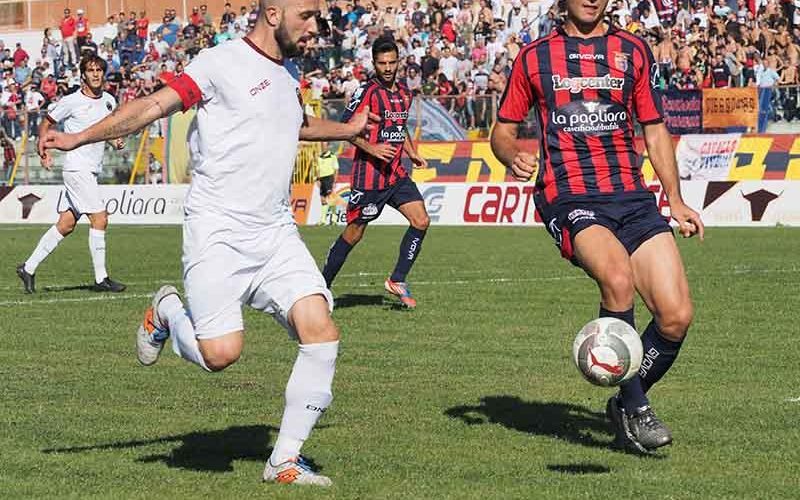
column 240, row 243
column 78, row 111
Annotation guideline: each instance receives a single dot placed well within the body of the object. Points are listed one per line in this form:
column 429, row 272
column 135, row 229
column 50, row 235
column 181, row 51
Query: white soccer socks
column 184, row 342
column 97, row 247
column 45, row 247
column 308, row 394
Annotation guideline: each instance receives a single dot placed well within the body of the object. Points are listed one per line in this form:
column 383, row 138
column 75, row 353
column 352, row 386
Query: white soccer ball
column 607, row 351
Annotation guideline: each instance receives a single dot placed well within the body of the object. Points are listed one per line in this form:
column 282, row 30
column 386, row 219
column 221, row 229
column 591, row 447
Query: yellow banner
column 737, row 107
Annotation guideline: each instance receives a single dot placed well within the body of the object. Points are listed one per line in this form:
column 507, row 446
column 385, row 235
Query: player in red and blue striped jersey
column 379, row 178
column 586, row 80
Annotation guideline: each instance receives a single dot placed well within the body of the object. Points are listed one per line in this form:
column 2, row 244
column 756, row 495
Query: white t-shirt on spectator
column 78, row 112
column 448, row 66
column 33, row 100
column 318, row 86
column 161, row 46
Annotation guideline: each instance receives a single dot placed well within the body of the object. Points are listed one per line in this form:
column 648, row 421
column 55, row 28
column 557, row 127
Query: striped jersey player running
column 379, row 178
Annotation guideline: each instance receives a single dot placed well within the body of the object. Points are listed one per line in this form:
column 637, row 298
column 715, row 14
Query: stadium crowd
column 458, row 51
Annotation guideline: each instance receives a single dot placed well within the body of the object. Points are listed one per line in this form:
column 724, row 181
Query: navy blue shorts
column 366, row 206
column 633, row 221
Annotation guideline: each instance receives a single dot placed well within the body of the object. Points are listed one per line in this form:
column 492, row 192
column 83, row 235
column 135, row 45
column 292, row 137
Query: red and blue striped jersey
column 392, row 106
column 585, row 92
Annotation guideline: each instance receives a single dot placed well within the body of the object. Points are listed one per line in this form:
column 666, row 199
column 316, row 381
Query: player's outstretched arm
column 662, row 156
column 125, row 120
column 319, row 129
column 504, row 147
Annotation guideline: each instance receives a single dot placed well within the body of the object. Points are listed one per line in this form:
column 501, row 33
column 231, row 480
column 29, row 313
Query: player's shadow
column 572, row 423
column 66, row 288
column 208, row 451
column 356, row 300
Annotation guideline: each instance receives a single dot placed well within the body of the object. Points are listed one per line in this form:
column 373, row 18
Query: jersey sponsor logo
column 578, row 84
column 589, row 117
column 587, row 57
column 109, row 106
column 395, row 115
column 262, row 85
column 393, row 133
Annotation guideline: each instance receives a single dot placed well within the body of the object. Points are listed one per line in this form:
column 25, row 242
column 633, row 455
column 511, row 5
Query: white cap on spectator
column 79, row 11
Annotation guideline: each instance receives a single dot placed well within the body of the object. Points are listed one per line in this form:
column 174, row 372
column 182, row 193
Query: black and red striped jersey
column 585, row 92
column 392, row 106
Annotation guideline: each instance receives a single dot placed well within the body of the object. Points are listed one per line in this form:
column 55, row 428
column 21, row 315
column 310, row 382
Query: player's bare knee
column 421, row 223
column 617, row 288
column 318, row 332
column 65, row 228
column 674, row 322
column 219, row 359
column 99, row 221
column 353, row 233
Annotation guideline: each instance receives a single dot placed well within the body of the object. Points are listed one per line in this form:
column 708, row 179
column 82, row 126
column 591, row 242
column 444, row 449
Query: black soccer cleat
column 641, row 432
column 108, row 285
column 28, row 280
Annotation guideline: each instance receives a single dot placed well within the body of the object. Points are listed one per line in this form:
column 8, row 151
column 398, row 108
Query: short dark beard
column 285, row 43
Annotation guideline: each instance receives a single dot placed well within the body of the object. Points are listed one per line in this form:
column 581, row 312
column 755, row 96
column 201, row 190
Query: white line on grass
column 96, row 298
column 793, row 400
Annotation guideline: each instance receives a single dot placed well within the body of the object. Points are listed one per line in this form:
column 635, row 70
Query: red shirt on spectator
column 141, row 27
column 196, row 18
column 19, row 56
column 448, row 32
column 82, row 26
column 129, row 94
column 67, row 27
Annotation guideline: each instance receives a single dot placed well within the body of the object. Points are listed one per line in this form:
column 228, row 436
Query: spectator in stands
column 9, row 155
column 68, row 39
column 81, row 28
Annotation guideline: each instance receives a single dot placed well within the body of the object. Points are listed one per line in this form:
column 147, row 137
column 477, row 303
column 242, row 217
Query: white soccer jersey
column 79, row 112
column 248, row 124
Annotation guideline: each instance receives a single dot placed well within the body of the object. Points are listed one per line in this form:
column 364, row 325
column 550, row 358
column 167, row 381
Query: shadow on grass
column 579, row 469
column 356, row 300
column 572, row 423
column 68, row 288
column 208, row 451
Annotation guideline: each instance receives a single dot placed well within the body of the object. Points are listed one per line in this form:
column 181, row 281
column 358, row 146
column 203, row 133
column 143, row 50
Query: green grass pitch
column 473, row 395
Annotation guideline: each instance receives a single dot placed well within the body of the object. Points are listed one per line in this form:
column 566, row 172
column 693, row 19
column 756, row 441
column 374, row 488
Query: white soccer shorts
column 269, row 271
column 82, row 194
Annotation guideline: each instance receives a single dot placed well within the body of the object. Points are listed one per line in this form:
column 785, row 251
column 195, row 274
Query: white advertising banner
column 706, row 157
column 138, row 204
column 721, row 203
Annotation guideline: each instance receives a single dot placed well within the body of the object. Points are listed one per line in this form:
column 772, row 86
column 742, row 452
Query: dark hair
column 382, row 45
column 93, row 59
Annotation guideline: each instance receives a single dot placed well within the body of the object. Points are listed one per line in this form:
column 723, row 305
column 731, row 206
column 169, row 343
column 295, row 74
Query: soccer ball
column 607, row 351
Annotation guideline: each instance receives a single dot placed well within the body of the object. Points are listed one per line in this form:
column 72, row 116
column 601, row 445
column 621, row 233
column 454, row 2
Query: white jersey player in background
column 78, row 111
column 240, row 243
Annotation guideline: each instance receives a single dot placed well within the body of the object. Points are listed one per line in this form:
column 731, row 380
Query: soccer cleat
column 642, row 432
column 400, row 290
column 648, row 430
column 294, row 471
column 108, row 285
column 28, row 280
column 153, row 333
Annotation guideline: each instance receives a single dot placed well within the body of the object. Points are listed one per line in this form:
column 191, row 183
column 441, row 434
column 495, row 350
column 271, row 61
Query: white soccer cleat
column 294, row 471
column 153, row 333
